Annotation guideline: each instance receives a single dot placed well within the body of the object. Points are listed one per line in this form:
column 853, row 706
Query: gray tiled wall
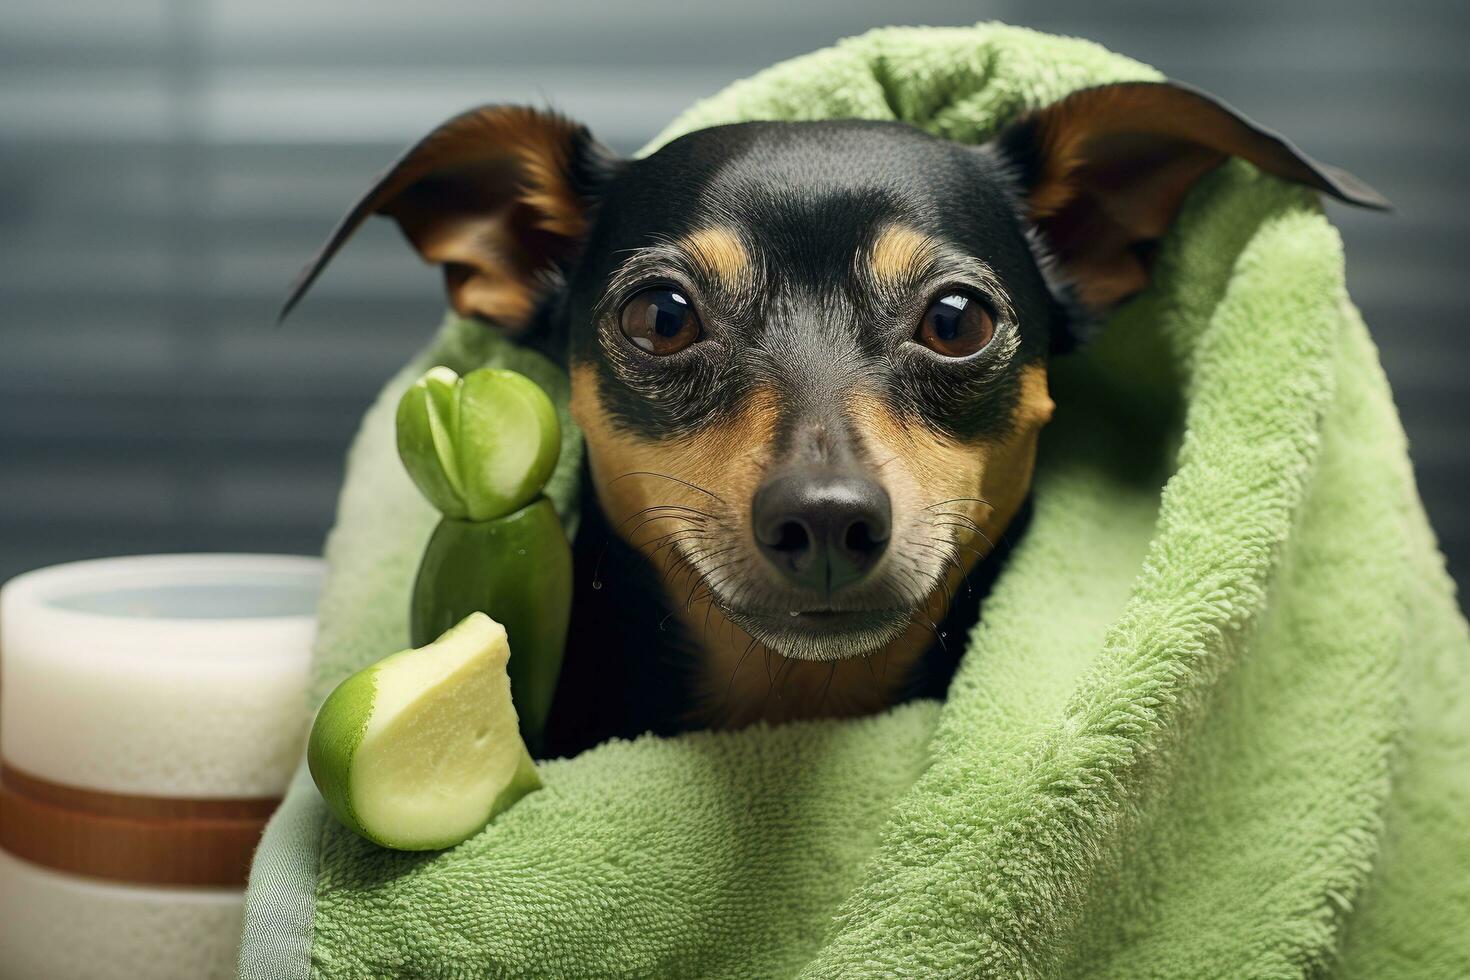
column 165, row 166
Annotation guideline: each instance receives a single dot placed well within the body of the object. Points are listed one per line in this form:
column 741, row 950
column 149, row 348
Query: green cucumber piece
column 478, row 447
column 518, row 570
column 420, row 750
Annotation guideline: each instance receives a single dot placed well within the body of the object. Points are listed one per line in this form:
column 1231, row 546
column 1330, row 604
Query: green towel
column 1213, row 722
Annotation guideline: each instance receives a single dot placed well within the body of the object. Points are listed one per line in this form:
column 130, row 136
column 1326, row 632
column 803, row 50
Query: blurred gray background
column 167, row 165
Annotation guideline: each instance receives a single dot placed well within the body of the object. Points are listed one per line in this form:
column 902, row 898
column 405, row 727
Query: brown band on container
column 138, row 839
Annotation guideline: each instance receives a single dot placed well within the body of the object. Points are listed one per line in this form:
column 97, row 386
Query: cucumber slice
column 420, row 750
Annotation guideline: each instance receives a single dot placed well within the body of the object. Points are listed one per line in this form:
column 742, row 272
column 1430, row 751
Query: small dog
column 810, row 363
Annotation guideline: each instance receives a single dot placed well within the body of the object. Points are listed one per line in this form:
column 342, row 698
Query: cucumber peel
column 420, row 750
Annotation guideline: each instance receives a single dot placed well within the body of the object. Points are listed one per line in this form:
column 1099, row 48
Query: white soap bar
column 64, row 927
column 170, row 675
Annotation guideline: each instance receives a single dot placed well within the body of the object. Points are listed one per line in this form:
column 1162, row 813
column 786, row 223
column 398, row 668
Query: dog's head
column 809, row 359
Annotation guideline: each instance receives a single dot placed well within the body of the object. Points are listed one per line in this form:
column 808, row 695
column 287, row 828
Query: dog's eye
column 660, row 321
column 956, row 326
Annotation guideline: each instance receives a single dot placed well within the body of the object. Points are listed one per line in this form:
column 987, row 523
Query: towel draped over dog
column 1214, row 720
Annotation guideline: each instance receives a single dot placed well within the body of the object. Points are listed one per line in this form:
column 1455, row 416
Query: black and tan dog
column 810, row 363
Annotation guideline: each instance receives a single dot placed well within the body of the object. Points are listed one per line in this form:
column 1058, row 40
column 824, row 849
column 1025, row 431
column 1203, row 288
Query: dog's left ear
column 498, row 196
column 1104, row 171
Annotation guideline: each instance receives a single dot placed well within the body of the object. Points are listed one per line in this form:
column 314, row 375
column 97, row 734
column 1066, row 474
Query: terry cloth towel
column 1213, row 723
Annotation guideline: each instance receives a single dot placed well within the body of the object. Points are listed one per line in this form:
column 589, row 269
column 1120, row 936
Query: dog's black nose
column 822, row 529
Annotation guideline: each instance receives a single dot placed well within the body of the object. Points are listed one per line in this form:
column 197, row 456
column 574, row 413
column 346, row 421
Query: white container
column 152, row 710
column 57, row 926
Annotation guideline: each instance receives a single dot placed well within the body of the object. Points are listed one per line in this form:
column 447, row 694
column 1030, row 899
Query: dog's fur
column 807, row 258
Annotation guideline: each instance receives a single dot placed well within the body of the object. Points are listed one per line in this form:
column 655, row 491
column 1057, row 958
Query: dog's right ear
column 1103, row 172
column 498, row 196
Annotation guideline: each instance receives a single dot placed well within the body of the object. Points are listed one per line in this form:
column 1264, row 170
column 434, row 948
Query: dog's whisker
column 684, row 568
column 690, row 597
column 972, row 530
column 958, row 500
column 661, row 517
column 655, row 507
column 917, row 582
column 673, row 575
column 933, row 627
column 671, row 560
column 709, row 608
column 738, row 664
column 741, row 593
column 921, row 609
column 968, row 521
column 691, row 561
column 669, row 576
column 914, row 582
column 945, row 557
column 660, row 535
column 831, row 672
column 672, row 538
column 968, row 525
column 730, row 626
column 950, row 540
column 597, row 565
column 692, row 551
column 673, row 479
column 964, row 525
column 708, row 573
column 783, row 675
column 965, row 547
column 943, row 544
column 670, row 543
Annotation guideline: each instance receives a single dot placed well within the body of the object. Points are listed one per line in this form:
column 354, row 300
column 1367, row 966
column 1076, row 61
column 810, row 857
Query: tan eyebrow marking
column 720, row 252
column 899, row 253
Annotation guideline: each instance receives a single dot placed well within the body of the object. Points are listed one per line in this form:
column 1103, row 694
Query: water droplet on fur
column 596, row 584
column 794, row 613
column 520, row 551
